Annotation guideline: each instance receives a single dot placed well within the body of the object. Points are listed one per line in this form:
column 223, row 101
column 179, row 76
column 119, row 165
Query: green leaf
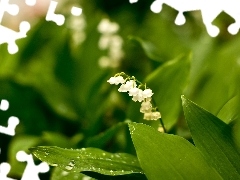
column 168, row 83
column 150, row 50
column 214, row 139
column 88, row 159
column 230, row 111
column 168, row 156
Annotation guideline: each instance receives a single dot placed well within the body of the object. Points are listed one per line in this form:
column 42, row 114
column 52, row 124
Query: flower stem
column 161, row 122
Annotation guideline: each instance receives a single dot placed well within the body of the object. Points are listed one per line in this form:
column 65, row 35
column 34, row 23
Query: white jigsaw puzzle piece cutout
column 4, row 170
column 133, row 1
column 31, row 171
column 59, row 19
column 12, row 9
column 209, row 10
column 12, row 121
column 8, row 35
column 4, row 105
column 30, row 2
column 12, row 124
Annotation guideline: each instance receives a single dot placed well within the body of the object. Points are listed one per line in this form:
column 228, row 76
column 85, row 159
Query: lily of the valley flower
column 147, row 93
column 126, row 87
column 111, row 42
column 146, row 107
column 129, row 84
column 116, row 80
column 152, row 115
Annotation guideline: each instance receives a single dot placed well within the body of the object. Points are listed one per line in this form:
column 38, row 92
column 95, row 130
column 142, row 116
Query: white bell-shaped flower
column 147, row 116
column 156, row 115
column 146, row 106
column 108, row 27
column 133, row 91
column 152, row 115
column 127, row 86
column 116, row 80
column 147, row 93
column 138, row 97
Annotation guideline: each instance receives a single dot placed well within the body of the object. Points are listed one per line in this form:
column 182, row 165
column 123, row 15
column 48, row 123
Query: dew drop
column 70, row 166
column 54, row 164
column 64, row 173
column 132, row 129
column 117, row 156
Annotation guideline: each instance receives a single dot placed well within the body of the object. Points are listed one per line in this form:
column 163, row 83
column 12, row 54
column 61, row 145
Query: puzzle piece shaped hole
column 31, row 171
column 4, row 105
column 4, row 170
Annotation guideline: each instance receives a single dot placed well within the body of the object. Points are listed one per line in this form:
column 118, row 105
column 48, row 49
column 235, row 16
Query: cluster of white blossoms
column 111, row 42
column 77, row 24
column 138, row 93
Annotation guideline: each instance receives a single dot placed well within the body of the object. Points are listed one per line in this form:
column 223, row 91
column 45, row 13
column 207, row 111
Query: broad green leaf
column 150, row 50
column 168, row 83
column 214, row 73
column 168, row 156
column 214, row 139
column 230, row 111
column 88, row 159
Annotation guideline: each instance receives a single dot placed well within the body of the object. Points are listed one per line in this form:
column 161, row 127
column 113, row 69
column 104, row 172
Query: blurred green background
column 57, row 86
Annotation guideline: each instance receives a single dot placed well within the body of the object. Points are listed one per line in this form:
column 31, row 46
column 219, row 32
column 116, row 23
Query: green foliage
column 214, row 156
column 168, row 82
column 58, row 90
column 168, row 156
column 88, row 159
column 214, row 139
column 150, row 50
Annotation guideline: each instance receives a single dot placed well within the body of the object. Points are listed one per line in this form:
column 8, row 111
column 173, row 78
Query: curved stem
column 161, row 122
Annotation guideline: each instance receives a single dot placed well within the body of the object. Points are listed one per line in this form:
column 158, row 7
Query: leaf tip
column 184, row 99
column 132, row 126
column 32, row 149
